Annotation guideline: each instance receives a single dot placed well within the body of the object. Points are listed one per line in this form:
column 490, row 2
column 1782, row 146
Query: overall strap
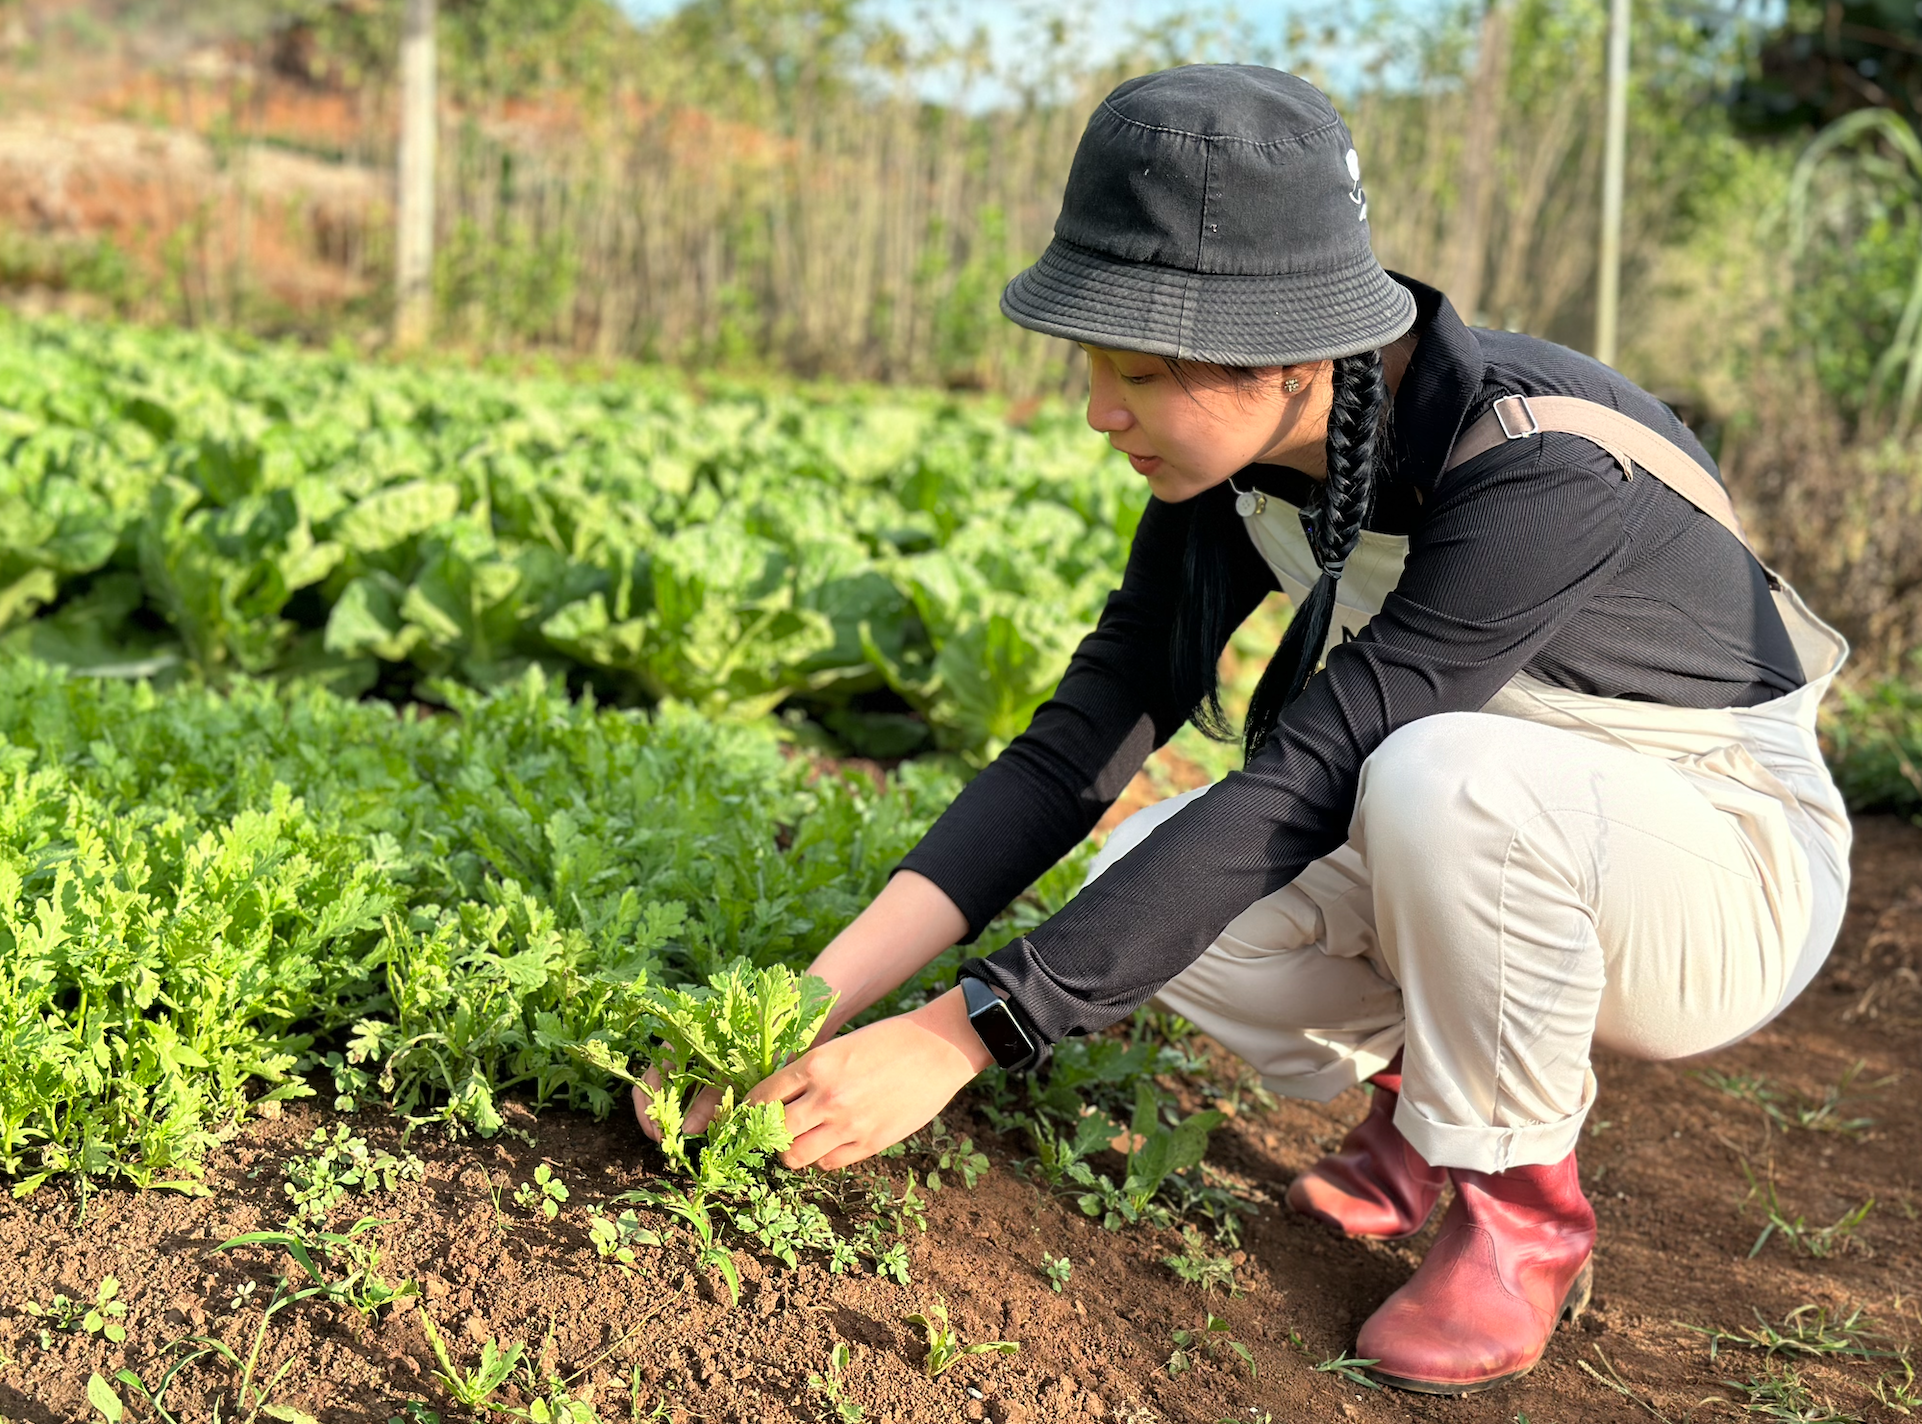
column 1627, row 439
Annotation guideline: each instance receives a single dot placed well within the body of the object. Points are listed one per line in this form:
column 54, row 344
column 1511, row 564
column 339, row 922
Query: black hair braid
column 1332, row 525
column 1202, row 617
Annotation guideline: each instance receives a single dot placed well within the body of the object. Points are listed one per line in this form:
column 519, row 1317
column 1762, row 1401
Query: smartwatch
column 1000, row 1031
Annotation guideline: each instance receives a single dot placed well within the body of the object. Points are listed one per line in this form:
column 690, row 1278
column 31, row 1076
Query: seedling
column 1057, row 1269
column 832, row 1386
column 1780, row 1393
column 1803, row 1113
column 954, row 1154
column 1192, row 1346
column 692, row 1208
column 544, row 1194
column 1611, row 1379
column 945, row 1348
column 1807, row 1330
column 1816, row 1241
column 1199, row 1266
column 1347, row 1367
column 363, row 1287
column 471, row 1389
column 615, row 1238
column 100, row 1317
column 341, row 1163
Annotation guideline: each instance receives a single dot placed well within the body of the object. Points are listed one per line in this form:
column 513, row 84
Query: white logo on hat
column 1354, row 166
column 1357, row 197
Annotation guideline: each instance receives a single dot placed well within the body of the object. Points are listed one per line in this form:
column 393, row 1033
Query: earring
column 1291, row 385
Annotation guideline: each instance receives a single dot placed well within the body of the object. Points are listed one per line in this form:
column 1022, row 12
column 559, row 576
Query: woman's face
column 1187, row 434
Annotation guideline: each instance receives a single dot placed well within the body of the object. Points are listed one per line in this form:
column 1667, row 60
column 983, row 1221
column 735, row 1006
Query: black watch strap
column 999, row 1029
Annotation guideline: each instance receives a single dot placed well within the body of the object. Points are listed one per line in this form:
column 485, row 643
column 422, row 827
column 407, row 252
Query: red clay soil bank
column 1662, row 1161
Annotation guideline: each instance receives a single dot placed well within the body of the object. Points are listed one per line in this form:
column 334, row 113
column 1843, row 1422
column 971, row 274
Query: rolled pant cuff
column 1488, row 1149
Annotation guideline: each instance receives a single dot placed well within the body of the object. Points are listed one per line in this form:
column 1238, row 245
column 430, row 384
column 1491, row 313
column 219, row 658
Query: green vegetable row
column 194, row 886
column 910, row 571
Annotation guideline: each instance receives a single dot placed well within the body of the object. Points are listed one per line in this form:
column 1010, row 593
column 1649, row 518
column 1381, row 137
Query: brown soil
column 1662, row 1163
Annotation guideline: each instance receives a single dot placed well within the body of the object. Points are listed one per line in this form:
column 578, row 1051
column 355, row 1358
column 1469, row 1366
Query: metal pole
column 414, row 239
column 1608, row 294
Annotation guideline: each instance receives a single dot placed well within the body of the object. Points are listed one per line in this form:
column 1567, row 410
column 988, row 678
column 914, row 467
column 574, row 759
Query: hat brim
column 1279, row 320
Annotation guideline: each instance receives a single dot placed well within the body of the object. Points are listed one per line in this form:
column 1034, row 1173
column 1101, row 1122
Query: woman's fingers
column 700, row 1112
column 816, row 1146
column 643, row 1096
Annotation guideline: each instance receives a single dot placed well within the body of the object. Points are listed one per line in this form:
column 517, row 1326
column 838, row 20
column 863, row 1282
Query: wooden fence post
column 414, row 238
column 1608, row 290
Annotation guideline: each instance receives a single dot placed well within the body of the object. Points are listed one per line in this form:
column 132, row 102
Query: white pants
column 1510, row 894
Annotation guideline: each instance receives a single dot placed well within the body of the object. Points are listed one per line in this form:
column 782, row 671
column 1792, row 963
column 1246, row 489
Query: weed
column 1348, row 1368
column 544, row 1194
column 832, row 1387
column 954, row 1154
column 945, row 1349
column 1780, row 1393
column 1612, row 1380
column 340, row 1163
column 1199, row 1266
column 1057, row 1269
column 1192, row 1346
column 1817, row 1241
column 101, row 1316
column 412, row 1411
column 363, row 1287
column 472, row 1389
column 1808, row 1115
column 615, row 1238
column 1807, row 1330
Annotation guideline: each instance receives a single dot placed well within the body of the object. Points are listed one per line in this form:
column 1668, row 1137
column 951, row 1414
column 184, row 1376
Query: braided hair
column 1332, row 524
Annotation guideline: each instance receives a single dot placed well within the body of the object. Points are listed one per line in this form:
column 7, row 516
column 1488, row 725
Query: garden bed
column 1663, row 1161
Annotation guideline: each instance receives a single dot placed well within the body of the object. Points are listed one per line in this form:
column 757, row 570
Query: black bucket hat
column 1214, row 213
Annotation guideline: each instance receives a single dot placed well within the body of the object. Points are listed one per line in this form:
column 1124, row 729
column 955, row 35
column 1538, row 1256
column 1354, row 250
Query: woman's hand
column 700, row 1112
column 860, row 1092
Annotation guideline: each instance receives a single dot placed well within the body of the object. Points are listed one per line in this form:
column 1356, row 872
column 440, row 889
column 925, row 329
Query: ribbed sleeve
column 1115, row 704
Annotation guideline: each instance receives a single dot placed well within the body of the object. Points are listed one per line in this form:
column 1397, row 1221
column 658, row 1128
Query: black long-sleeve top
column 1537, row 557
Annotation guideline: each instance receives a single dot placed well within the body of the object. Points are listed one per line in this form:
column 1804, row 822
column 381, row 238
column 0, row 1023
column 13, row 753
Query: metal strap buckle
column 1501, row 417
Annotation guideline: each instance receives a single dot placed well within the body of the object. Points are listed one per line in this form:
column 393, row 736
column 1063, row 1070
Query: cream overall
column 1554, row 871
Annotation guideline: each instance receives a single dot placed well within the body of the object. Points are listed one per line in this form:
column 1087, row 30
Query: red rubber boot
column 1512, row 1260
column 1376, row 1185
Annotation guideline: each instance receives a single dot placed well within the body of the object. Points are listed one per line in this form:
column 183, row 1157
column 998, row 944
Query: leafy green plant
column 282, row 513
column 471, row 1389
column 1154, row 1152
column 728, row 1034
column 460, row 901
column 945, row 1346
column 615, row 1238
column 1193, row 1346
column 1199, row 1266
column 362, row 1287
column 544, row 1194
column 953, row 1154
column 341, row 1163
column 1057, row 1269
column 100, row 1316
column 831, row 1385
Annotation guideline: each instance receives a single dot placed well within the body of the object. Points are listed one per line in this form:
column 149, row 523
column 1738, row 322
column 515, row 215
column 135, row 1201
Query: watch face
column 999, row 1031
